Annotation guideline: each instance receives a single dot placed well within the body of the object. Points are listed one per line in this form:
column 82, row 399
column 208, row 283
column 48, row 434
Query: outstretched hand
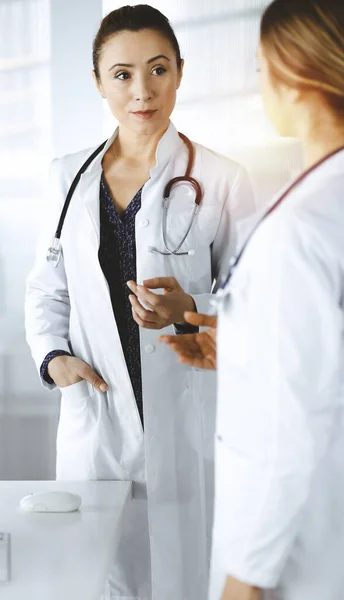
column 195, row 349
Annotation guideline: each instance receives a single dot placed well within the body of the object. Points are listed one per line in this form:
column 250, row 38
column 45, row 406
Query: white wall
column 27, row 416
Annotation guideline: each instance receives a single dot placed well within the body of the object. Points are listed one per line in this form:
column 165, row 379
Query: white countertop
column 61, row 556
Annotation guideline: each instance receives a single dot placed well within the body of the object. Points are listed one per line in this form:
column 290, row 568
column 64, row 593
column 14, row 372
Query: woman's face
column 138, row 72
column 278, row 99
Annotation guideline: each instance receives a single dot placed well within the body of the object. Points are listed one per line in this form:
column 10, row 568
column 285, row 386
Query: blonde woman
column 279, row 519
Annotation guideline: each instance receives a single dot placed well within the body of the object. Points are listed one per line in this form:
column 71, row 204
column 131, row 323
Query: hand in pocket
column 67, row 370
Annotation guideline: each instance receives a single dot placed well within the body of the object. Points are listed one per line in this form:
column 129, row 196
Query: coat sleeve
column 279, row 369
column 47, row 300
column 239, row 204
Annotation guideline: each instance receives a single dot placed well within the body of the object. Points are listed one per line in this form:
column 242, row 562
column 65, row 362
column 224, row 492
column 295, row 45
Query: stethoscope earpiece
column 54, row 252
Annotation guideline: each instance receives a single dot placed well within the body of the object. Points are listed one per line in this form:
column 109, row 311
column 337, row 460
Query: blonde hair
column 303, row 42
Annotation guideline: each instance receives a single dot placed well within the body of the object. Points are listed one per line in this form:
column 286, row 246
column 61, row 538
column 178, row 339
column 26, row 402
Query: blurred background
column 49, row 107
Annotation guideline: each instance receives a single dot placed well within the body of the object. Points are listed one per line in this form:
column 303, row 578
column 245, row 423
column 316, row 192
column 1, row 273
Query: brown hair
column 133, row 18
column 303, row 41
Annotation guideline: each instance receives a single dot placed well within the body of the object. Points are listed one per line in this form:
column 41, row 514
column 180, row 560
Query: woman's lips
column 144, row 114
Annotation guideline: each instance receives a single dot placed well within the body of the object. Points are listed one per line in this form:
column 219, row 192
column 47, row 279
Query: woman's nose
column 142, row 90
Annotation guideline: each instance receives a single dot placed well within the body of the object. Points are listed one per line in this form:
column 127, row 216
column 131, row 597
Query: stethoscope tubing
column 235, row 261
column 54, row 251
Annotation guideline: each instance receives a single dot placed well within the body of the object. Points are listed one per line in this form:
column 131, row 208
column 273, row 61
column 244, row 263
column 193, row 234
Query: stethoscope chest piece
column 54, row 252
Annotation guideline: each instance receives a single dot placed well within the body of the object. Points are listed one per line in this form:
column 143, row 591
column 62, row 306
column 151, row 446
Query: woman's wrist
column 189, row 306
column 238, row 590
column 44, row 370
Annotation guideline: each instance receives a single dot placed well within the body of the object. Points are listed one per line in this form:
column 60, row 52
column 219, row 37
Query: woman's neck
column 318, row 142
column 314, row 151
column 137, row 149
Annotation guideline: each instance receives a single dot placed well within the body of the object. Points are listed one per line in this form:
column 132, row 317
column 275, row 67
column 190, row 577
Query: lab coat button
column 144, row 223
column 149, row 348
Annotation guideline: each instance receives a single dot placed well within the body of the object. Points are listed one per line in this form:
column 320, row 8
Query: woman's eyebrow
column 156, row 58
column 148, row 62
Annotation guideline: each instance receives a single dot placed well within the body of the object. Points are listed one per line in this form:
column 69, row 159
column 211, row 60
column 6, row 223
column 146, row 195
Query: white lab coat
column 279, row 502
column 100, row 435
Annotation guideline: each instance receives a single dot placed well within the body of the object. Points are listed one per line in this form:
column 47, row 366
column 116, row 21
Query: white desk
column 64, row 556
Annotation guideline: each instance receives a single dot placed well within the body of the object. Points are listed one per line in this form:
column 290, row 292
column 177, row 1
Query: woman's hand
column 162, row 309
column 66, row 370
column 196, row 349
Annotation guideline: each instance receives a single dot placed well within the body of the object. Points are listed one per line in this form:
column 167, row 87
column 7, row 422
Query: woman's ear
column 98, row 84
column 180, row 74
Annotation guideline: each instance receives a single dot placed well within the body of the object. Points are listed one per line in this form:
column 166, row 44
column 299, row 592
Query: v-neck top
column 117, row 258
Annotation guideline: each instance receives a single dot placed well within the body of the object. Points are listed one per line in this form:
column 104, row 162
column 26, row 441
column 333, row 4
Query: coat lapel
column 89, row 194
column 88, row 188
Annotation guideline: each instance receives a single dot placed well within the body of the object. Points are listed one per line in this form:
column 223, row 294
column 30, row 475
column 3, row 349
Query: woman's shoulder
column 308, row 225
column 64, row 169
column 68, row 165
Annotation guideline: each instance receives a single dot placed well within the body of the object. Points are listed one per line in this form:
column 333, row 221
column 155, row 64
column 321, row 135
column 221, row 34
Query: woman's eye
column 122, row 75
column 159, row 70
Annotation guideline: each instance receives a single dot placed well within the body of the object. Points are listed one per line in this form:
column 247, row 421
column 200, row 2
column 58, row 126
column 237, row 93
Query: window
column 25, row 153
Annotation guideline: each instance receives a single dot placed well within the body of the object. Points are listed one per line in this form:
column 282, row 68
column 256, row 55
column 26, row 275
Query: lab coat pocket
column 75, row 431
column 177, row 232
column 180, row 265
column 180, row 219
column 77, row 392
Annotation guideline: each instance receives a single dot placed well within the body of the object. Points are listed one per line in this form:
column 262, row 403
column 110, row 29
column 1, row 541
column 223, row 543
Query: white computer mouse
column 51, row 501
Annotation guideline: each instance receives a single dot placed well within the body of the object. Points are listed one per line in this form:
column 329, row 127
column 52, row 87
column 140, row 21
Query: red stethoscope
column 55, row 251
column 235, row 260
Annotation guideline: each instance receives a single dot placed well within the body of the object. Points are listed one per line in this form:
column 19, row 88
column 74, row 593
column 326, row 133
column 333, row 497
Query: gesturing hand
column 162, row 309
column 196, row 349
